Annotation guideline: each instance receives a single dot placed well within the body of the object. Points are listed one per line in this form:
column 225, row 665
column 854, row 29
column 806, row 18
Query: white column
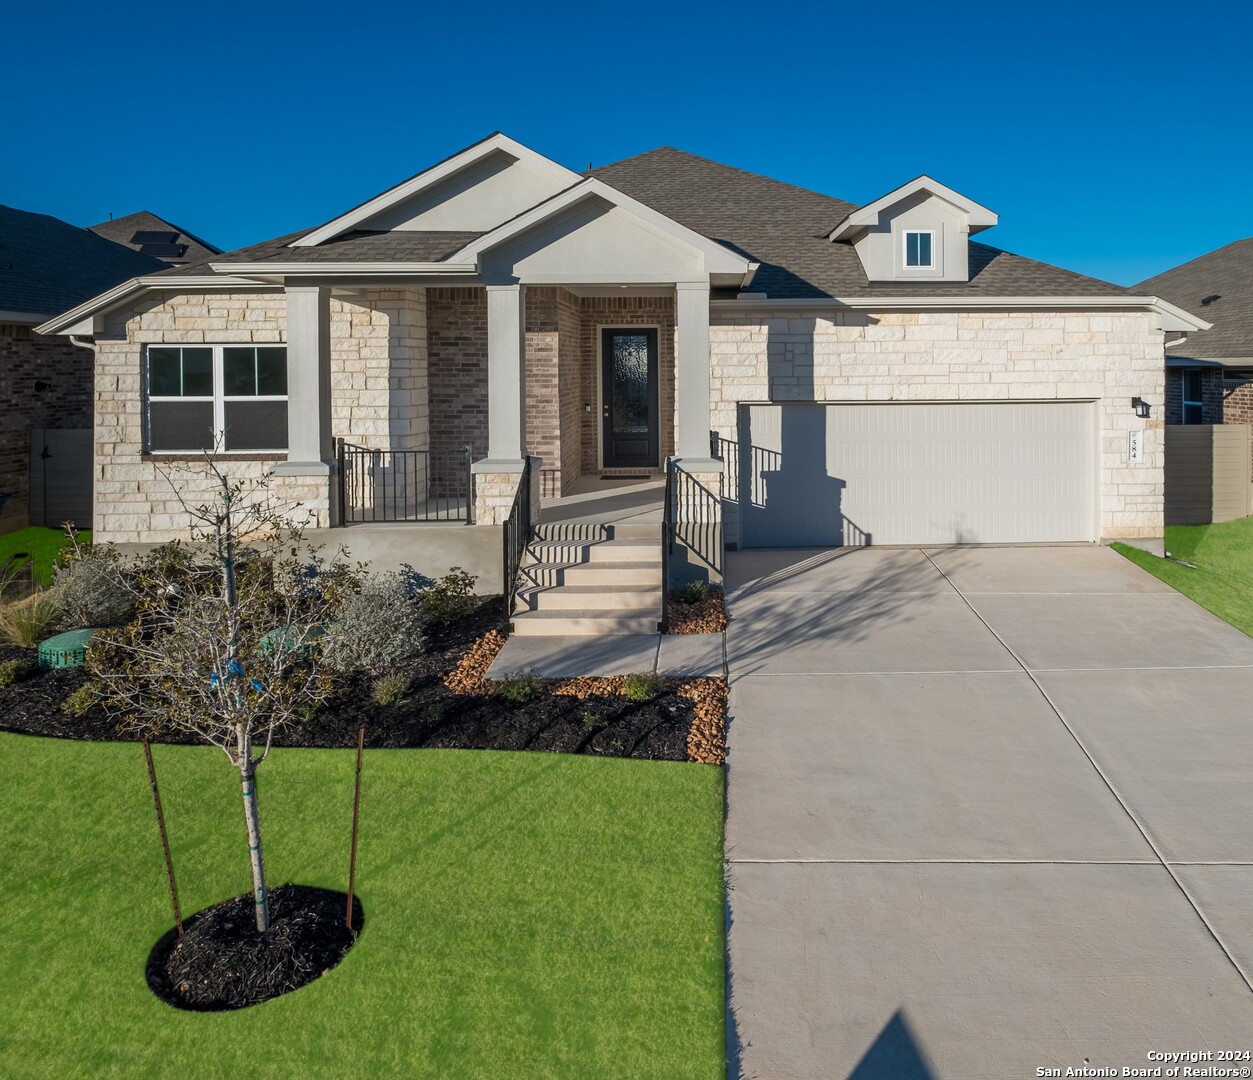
column 506, row 379
column 691, row 377
column 309, row 446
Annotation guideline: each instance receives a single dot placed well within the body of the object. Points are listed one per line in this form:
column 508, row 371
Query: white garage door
column 815, row 475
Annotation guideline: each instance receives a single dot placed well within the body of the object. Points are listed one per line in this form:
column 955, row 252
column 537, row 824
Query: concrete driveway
column 990, row 810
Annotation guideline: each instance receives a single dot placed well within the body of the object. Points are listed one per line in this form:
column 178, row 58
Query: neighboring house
column 835, row 373
column 1209, row 373
column 46, row 401
column 150, row 235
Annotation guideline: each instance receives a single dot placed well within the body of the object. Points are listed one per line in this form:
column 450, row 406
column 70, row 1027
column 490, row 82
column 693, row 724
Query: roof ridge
column 729, row 168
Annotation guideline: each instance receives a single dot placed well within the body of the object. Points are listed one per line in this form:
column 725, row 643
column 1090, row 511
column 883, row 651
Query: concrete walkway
column 560, row 657
column 990, row 810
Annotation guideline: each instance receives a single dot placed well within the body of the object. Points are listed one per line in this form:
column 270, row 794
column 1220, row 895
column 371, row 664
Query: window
column 1193, row 407
column 919, row 249
column 199, row 392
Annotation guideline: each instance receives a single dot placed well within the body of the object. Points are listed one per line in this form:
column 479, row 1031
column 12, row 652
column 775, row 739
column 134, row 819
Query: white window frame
column 219, row 398
column 905, row 235
column 1183, row 395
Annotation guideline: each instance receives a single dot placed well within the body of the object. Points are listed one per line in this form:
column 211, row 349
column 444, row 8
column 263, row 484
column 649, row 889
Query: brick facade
column 599, row 312
column 896, row 356
column 456, row 321
column 1224, row 400
column 44, row 383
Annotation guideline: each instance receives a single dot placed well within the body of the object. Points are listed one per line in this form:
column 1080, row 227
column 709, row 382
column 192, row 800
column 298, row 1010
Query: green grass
column 1223, row 556
column 526, row 914
column 41, row 544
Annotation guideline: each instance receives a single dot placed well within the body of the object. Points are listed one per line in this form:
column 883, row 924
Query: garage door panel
column 916, row 473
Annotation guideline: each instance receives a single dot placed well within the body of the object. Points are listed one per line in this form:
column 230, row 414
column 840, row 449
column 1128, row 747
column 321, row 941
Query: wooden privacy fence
column 1209, row 473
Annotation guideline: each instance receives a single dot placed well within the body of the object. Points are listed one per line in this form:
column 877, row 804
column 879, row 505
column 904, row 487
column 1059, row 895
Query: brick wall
column 598, row 312
column 543, row 413
column 897, row 356
column 456, row 321
column 570, row 389
column 1237, row 403
column 65, row 372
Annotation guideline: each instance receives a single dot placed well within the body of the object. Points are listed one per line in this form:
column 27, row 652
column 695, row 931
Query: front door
column 629, row 411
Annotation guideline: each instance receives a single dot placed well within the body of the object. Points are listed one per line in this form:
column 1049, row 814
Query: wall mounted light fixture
column 1141, row 407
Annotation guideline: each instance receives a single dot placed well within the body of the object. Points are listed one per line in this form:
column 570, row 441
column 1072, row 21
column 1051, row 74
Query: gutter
column 1173, row 318
column 343, row 269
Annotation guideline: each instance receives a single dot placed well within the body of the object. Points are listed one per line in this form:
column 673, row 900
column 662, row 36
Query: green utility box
column 65, row 650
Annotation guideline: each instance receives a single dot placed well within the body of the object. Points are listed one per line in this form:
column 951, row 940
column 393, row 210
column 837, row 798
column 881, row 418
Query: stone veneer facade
column 899, row 356
column 64, row 401
column 378, row 398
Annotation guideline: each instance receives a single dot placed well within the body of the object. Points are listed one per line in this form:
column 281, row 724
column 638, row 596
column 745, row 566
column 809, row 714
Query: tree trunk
column 248, row 776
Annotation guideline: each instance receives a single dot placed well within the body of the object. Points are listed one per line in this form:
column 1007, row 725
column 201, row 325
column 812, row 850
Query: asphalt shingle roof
column 48, row 266
column 785, row 228
column 351, row 247
column 1226, row 273
column 124, row 230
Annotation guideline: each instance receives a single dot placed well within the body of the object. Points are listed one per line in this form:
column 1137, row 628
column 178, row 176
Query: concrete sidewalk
column 988, row 812
column 676, row 655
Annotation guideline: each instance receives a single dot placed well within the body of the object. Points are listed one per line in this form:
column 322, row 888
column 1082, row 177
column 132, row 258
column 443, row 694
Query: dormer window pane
column 918, row 249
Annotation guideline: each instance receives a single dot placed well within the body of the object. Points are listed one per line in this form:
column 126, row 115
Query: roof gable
column 472, row 191
column 978, row 217
column 149, row 234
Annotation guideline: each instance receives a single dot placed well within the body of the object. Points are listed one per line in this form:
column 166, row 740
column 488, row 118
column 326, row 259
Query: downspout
column 75, row 340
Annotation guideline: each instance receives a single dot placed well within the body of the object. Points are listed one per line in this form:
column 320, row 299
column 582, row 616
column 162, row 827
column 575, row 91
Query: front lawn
column 42, row 545
column 538, row 915
column 1223, row 556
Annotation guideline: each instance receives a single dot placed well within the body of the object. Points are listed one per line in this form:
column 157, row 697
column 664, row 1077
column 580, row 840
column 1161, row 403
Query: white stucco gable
column 918, row 232
column 593, row 233
column 473, row 191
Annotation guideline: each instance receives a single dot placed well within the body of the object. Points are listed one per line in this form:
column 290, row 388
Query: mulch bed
column 706, row 617
column 449, row 705
column 221, row 962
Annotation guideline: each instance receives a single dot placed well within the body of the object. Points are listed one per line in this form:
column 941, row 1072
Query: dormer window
column 920, row 248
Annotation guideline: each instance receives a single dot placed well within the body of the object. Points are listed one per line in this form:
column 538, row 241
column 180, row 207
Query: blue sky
column 1112, row 138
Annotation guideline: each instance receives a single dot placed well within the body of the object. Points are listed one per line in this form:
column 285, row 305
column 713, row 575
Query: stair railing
column 516, row 534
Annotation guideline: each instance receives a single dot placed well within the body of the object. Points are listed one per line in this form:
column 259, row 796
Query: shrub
column 27, row 622
column 591, row 718
column 92, row 588
column 642, row 686
column 12, row 671
column 415, row 582
column 691, row 594
column 449, row 599
column 78, row 703
column 522, row 689
column 389, row 689
column 376, row 628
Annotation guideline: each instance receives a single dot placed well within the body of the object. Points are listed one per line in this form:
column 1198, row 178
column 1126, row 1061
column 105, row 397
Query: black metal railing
column 516, row 535
column 667, row 544
column 404, row 485
column 728, row 452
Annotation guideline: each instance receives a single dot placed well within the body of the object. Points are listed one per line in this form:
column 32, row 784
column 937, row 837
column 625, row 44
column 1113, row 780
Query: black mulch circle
column 429, row 715
column 221, row 962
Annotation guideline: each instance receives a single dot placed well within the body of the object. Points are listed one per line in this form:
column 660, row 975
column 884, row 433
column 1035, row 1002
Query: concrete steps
column 590, row 580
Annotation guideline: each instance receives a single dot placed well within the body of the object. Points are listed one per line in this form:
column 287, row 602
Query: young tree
column 226, row 643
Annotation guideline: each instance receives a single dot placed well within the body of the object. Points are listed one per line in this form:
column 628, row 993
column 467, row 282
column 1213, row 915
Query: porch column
column 506, row 378
column 691, row 377
column 309, row 446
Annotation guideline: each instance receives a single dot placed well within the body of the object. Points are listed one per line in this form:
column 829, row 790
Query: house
column 1209, row 387
column 46, row 403
column 821, row 372
column 1209, row 373
column 148, row 234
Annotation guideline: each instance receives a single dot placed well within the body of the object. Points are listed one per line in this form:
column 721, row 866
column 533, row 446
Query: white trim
column 718, row 259
column 905, row 263
column 219, row 397
column 1171, row 315
column 979, row 216
column 23, row 317
column 429, row 177
column 344, row 269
